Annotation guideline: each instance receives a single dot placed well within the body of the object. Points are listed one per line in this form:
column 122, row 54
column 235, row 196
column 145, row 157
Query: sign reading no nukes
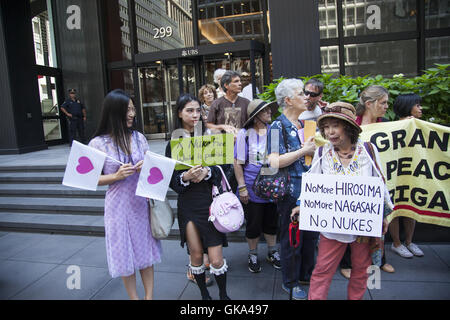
column 342, row 204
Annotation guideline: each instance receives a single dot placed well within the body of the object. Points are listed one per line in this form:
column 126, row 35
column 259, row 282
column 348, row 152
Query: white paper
column 155, row 176
column 84, row 167
column 342, row 204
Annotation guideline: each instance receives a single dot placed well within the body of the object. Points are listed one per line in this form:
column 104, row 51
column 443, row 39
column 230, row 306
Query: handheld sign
column 342, row 204
column 84, row 167
column 155, row 176
column 204, row 150
column 309, row 131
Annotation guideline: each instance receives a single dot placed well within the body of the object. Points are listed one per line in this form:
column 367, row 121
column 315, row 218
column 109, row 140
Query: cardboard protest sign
column 342, row 204
column 309, row 131
column 155, row 176
column 84, row 167
column 208, row 150
column 415, row 158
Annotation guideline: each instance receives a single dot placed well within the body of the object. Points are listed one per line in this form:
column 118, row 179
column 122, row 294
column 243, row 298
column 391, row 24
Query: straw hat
column 256, row 106
column 340, row 110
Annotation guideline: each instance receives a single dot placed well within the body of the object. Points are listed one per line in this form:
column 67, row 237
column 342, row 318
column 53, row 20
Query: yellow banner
column 415, row 158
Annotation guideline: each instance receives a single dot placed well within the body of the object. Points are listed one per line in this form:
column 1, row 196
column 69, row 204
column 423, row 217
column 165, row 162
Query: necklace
column 353, row 167
column 346, row 155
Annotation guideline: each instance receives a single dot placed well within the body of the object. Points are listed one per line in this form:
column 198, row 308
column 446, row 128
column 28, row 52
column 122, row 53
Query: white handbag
column 162, row 218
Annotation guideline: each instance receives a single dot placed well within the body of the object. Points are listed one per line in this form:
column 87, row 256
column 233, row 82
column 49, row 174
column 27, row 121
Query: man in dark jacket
column 76, row 114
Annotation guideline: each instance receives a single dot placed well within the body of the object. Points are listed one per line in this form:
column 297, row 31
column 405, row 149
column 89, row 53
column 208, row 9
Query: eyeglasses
column 311, row 94
column 336, row 109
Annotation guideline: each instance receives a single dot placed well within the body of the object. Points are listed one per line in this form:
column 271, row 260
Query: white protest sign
column 84, row 167
column 155, row 176
column 342, row 204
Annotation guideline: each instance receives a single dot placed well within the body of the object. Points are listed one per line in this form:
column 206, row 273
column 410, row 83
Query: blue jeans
column 297, row 264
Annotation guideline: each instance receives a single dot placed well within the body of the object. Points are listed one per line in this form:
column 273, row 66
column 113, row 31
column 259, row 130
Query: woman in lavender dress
column 129, row 241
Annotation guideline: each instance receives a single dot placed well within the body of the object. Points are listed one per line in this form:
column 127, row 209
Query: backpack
column 226, row 211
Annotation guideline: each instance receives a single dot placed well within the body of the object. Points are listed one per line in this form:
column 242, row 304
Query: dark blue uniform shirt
column 73, row 107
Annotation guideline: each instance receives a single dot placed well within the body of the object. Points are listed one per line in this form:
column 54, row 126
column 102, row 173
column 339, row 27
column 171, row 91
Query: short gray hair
column 218, row 74
column 227, row 78
column 286, row 89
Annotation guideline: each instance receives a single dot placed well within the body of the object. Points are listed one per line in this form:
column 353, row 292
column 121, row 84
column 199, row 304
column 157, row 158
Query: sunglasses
column 311, row 94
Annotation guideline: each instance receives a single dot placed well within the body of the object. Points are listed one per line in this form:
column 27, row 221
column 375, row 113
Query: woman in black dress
column 194, row 188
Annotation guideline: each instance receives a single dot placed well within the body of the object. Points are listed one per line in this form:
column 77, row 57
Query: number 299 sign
column 342, row 204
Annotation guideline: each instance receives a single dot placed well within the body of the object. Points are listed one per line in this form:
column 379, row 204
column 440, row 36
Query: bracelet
column 242, row 186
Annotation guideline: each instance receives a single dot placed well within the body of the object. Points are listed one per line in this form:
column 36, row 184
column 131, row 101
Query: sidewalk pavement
column 38, row 266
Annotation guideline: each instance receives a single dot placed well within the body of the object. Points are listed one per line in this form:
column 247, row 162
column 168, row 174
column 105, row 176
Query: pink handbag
column 225, row 212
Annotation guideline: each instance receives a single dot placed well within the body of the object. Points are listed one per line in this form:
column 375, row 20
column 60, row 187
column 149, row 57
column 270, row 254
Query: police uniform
column 76, row 123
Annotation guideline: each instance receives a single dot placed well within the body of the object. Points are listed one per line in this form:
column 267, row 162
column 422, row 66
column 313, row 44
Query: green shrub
column 432, row 87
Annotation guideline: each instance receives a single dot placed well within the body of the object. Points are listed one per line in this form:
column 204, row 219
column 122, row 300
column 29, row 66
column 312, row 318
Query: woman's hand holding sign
column 385, row 226
column 195, row 174
column 138, row 166
column 295, row 213
column 309, row 147
column 125, row 171
column 202, row 174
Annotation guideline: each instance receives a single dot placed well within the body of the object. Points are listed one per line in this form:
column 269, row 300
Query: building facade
column 157, row 49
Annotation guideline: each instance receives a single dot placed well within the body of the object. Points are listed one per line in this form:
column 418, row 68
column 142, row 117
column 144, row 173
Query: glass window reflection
column 437, row 50
column 44, row 39
column 163, row 25
column 385, row 58
column 327, row 19
column 363, row 17
column 437, row 14
column 230, row 21
column 118, row 30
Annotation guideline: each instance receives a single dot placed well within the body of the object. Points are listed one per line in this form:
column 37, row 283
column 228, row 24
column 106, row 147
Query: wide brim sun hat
column 340, row 110
column 256, row 106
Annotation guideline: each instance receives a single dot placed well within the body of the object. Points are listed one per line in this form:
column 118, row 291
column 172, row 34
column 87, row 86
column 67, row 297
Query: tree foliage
column 432, row 86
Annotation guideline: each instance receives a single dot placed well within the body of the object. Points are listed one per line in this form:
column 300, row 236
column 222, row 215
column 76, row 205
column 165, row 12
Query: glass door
column 153, row 97
column 160, row 87
column 51, row 120
column 172, row 94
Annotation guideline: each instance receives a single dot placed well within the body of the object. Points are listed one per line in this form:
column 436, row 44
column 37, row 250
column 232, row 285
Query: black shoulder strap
column 371, row 152
column 320, row 157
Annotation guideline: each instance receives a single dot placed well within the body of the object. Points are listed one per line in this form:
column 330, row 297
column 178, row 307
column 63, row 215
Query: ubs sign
column 189, row 52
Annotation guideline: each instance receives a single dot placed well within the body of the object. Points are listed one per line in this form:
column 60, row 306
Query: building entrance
column 160, row 86
column 165, row 75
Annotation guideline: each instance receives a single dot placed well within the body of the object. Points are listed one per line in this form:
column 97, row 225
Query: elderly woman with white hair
column 217, row 77
column 285, row 149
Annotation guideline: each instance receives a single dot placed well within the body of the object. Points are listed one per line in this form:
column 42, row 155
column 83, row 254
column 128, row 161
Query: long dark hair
column 113, row 119
column 182, row 101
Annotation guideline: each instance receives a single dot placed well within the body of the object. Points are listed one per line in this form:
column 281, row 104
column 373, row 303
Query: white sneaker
column 415, row 250
column 402, row 251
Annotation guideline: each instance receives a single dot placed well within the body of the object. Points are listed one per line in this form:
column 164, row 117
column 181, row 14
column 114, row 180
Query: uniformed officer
column 76, row 114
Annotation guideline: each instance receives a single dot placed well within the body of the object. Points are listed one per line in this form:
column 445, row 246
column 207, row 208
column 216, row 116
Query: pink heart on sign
column 155, row 176
column 84, row 165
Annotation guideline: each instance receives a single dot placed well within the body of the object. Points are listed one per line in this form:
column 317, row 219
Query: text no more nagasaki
column 335, row 204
